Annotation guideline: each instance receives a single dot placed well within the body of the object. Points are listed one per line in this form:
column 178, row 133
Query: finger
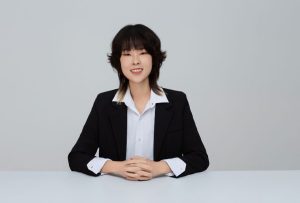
column 138, row 157
column 144, row 174
column 132, row 175
column 144, row 178
column 143, row 167
column 135, row 161
column 132, row 179
column 132, row 169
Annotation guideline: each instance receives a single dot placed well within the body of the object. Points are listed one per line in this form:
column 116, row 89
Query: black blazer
column 175, row 134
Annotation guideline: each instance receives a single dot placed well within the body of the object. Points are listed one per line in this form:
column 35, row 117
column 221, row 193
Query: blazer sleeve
column 87, row 143
column 194, row 152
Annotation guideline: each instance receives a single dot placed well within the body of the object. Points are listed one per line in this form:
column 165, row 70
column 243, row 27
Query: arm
column 194, row 152
column 87, row 144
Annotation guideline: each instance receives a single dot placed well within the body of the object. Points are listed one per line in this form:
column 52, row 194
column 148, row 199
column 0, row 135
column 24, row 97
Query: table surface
column 206, row 187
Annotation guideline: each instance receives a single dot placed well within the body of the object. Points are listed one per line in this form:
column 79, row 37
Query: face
column 136, row 65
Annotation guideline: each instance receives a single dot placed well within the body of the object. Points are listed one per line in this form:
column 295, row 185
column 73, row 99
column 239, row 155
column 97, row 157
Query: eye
column 125, row 54
column 144, row 52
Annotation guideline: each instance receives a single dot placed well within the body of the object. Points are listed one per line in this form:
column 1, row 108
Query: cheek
column 123, row 63
column 125, row 71
column 149, row 62
column 123, row 67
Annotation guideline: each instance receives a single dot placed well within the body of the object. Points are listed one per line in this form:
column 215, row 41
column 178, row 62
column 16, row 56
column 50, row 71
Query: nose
column 135, row 59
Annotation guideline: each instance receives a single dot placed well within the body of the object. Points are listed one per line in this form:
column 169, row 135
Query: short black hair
column 137, row 37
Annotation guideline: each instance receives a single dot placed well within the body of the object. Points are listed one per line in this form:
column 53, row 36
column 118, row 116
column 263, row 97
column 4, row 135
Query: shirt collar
column 154, row 98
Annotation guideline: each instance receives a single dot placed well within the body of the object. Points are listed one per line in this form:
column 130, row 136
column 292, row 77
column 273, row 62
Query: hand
column 136, row 168
column 126, row 169
column 149, row 169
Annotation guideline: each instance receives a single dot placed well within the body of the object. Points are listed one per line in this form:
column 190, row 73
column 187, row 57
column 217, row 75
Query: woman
column 142, row 130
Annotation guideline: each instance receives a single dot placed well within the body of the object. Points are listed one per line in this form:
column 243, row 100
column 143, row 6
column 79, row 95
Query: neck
column 140, row 91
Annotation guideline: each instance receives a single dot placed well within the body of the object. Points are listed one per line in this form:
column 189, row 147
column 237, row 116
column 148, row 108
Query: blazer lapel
column 163, row 115
column 119, row 126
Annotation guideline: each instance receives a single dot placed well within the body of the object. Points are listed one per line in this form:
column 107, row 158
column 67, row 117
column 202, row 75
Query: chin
column 137, row 81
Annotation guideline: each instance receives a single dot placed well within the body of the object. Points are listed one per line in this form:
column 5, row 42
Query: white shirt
column 140, row 134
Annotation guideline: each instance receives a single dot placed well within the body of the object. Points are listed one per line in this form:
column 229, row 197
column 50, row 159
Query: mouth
column 136, row 70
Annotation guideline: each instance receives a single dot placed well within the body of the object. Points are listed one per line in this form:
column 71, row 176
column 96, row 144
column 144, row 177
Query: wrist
column 164, row 167
column 110, row 167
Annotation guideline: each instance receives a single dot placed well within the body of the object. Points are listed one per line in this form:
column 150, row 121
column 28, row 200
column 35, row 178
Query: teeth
column 136, row 70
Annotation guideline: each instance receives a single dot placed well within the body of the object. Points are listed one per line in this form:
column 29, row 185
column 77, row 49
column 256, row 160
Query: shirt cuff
column 176, row 165
column 96, row 164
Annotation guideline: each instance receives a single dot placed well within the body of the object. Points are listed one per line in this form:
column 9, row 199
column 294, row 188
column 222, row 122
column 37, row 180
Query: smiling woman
column 141, row 129
column 137, row 42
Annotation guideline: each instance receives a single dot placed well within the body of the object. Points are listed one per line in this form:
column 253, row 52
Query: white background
column 237, row 61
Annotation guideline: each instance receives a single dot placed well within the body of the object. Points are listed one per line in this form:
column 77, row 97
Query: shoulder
column 175, row 96
column 106, row 97
column 108, row 94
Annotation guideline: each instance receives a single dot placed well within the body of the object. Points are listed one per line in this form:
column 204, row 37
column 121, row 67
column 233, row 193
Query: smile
column 136, row 70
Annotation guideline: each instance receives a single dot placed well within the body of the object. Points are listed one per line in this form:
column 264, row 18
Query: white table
column 210, row 186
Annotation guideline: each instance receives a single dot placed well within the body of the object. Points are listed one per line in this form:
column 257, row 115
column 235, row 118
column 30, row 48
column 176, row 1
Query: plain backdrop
column 237, row 61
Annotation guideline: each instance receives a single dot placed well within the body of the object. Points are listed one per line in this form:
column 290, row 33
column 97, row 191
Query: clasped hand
column 137, row 168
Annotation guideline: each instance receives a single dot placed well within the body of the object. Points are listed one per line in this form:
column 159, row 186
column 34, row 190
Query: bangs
column 133, row 39
column 133, row 43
